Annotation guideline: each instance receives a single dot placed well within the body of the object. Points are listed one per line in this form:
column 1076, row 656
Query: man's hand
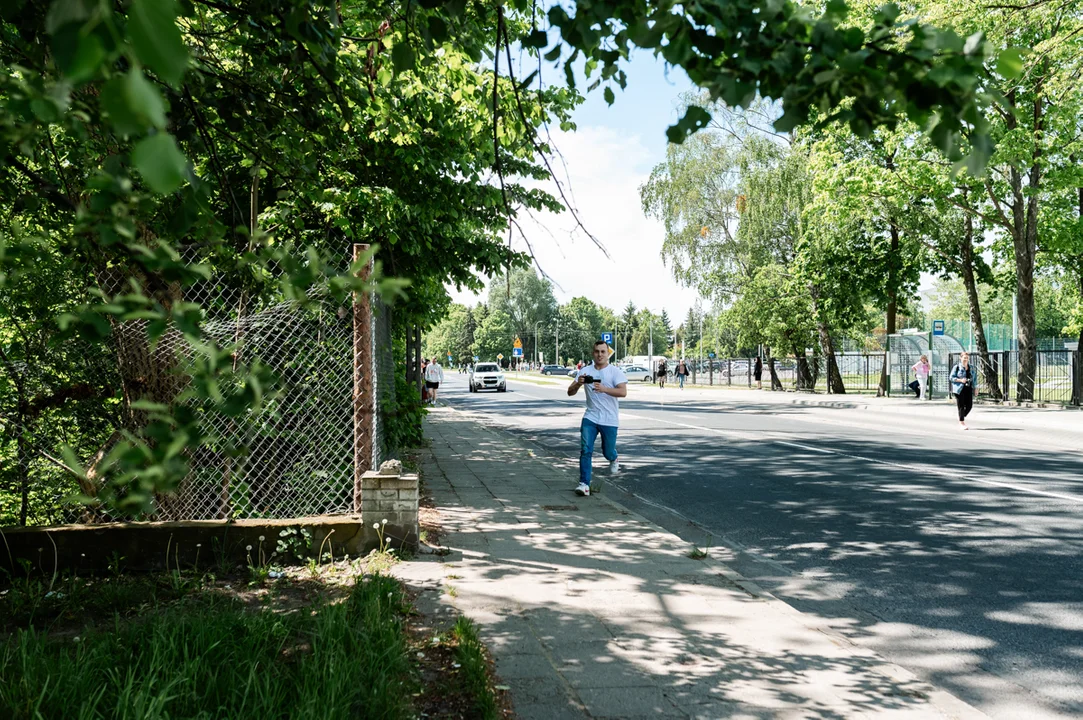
column 599, row 388
column 574, row 387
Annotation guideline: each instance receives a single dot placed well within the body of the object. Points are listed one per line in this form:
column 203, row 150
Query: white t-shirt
column 601, row 408
column 434, row 373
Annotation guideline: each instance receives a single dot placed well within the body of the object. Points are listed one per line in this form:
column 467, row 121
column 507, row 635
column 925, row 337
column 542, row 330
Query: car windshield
column 486, row 368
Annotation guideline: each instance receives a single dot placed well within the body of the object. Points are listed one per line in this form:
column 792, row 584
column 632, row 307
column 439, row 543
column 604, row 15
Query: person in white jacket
column 434, row 375
column 921, row 370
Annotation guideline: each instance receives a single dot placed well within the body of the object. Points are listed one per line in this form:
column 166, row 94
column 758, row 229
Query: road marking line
column 947, row 473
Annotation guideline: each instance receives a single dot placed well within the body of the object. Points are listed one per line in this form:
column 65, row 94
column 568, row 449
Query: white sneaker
column 614, row 467
column 582, row 489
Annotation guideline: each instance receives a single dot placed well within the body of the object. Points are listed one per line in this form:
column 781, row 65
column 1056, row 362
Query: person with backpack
column 961, row 378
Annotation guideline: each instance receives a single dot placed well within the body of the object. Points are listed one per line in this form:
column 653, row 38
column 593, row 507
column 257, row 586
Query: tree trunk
column 966, row 255
column 148, row 372
column 776, row 384
column 804, row 380
column 1025, row 241
column 834, row 379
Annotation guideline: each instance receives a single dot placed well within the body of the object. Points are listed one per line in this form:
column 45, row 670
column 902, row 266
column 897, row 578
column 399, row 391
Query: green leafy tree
column 255, row 166
column 494, row 336
column 527, row 301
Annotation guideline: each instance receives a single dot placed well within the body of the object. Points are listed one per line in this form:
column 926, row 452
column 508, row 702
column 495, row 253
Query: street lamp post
column 535, row 359
column 700, row 340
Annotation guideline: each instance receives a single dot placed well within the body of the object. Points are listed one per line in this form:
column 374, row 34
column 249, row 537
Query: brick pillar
column 387, row 494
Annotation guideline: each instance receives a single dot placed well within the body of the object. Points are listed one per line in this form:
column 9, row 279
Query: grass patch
column 696, row 554
column 474, row 672
column 212, row 656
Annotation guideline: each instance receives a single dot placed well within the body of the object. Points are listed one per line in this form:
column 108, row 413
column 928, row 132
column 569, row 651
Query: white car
column 633, row 372
column 487, row 376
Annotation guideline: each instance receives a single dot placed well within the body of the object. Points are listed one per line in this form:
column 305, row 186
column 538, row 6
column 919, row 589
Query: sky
column 608, row 157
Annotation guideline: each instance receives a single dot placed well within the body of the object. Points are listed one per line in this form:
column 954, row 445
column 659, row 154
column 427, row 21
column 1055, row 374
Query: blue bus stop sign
column 938, row 327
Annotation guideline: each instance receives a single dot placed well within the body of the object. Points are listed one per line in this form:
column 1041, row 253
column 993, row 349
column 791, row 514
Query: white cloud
column 605, row 169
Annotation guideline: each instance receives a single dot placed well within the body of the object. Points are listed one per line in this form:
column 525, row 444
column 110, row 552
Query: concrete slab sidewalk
column 590, row 610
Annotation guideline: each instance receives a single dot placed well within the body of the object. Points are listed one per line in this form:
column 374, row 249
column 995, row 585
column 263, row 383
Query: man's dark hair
column 600, row 342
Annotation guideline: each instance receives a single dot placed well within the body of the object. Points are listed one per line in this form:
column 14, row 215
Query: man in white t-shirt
column 434, row 375
column 604, row 384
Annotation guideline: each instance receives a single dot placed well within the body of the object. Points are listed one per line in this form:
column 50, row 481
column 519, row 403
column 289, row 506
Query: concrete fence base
column 386, row 495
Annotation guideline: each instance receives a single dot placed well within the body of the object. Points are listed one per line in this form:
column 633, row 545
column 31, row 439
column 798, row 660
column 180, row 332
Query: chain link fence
column 294, row 457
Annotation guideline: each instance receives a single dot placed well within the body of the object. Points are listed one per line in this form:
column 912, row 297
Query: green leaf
column 145, row 99
column 160, row 162
column 88, row 57
column 403, row 57
column 62, row 12
column 1010, row 63
column 438, row 29
column 537, row 39
column 133, row 103
column 157, row 40
column 694, row 118
column 608, row 94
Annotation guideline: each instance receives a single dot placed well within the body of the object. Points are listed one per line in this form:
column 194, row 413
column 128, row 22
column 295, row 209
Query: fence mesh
column 296, row 454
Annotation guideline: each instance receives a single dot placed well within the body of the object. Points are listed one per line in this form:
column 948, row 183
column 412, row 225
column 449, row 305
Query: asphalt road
column 954, row 554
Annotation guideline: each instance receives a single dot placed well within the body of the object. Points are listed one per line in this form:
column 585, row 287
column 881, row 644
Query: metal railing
column 1057, row 376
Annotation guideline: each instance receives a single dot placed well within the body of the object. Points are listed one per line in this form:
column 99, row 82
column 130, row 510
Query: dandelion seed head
column 248, row 547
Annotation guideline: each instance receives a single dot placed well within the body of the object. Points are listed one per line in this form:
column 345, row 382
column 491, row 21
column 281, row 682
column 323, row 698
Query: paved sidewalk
column 592, row 611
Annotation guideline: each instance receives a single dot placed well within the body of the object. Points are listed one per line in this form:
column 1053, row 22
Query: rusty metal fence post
column 364, row 398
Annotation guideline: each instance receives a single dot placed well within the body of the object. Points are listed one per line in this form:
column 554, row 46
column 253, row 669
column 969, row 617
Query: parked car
column 487, row 376
column 556, row 370
column 637, row 372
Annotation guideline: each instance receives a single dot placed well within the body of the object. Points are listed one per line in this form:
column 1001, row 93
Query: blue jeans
column 680, row 381
column 588, row 433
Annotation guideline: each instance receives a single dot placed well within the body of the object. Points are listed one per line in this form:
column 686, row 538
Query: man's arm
column 574, row 387
column 619, row 391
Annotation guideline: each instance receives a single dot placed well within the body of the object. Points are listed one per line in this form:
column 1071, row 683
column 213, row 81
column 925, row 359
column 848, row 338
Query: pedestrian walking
column 434, row 375
column 682, row 373
column 921, row 371
column 663, row 371
column 604, row 384
column 962, row 387
column 757, row 372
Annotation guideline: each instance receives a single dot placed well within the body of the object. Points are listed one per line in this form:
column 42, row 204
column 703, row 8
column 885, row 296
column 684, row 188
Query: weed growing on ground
column 470, row 654
column 696, row 554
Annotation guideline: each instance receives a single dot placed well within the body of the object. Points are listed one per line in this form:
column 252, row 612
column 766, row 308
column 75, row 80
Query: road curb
column 948, row 704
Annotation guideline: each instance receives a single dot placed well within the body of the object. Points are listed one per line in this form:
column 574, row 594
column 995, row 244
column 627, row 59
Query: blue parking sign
column 607, row 338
